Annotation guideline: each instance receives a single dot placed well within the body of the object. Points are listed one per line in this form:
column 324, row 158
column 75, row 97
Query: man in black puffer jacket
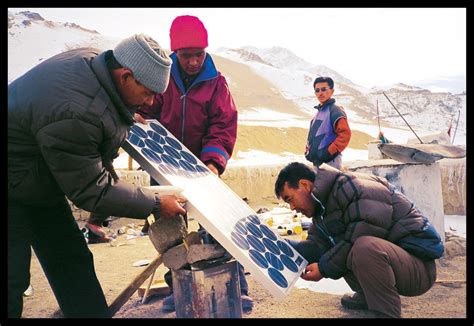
column 365, row 231
column 66, row 117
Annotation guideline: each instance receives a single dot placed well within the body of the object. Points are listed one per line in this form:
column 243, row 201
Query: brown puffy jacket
column 358, row 204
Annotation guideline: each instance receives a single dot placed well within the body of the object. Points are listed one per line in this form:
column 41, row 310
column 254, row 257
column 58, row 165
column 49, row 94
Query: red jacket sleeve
column 343, row 137
column 218, row 143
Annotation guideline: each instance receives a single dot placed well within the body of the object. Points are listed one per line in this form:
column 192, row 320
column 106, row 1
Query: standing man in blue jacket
column 329, row 132
column 365, row 231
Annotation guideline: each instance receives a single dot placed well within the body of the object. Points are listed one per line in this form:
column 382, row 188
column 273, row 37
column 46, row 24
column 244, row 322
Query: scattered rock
column 140, row 263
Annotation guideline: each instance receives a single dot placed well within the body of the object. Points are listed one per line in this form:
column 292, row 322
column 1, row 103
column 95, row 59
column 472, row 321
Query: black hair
column 111, row 62
column 324, row 80
column 293, row 173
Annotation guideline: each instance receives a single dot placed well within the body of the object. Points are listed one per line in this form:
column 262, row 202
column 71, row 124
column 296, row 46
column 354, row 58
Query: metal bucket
column 209, row 289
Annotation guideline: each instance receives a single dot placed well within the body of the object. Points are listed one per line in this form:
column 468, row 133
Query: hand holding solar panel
column 270, row 259
column 171, row 206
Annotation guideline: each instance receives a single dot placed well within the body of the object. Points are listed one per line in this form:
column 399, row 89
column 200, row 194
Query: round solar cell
column 188, row 157
column 153, row 145
column 172, row 152
column 187, row 166
column 289, row 263
column 240, row 227
column 258, row 258
column 268, row 232
column 274, row 261
column 285, row 248
column 255, row 243
column 239, row 240
column 254, row 219
column 135, row 140
column 156, row 137
column 255, row 230
column 151, row 155
column 202, row 169
column 271, row 246
column 138, row 131
column 158, row 129
column 278, row 277
column 174, row 143
column 167, row 169
column 169, row 160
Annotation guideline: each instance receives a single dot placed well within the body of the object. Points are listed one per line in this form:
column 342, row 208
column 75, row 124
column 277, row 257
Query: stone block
column 176, row 257
column 453, row 183
column 204, row 252
column 167, row 232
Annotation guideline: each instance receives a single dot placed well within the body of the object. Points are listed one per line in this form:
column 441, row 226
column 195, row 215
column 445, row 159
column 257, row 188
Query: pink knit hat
column 187, row 32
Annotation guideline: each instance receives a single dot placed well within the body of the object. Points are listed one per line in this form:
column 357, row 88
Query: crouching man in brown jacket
column 66, row 117
column 365, row 231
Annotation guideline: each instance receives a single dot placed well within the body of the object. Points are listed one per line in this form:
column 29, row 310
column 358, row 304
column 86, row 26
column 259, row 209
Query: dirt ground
column 115, row 270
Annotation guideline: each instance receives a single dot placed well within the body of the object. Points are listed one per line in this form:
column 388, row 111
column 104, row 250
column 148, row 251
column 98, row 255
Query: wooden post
column 130, row 163
column 134, row 285
column 145, row 295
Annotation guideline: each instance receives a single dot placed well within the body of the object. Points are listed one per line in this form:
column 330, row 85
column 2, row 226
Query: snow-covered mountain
column 262, row 80
column 31, row 39
column 293, row 76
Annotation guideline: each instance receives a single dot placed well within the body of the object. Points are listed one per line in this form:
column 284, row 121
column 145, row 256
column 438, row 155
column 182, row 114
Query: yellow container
column 297, row 229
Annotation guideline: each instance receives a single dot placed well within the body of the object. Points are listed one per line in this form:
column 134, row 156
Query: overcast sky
column 370, row 46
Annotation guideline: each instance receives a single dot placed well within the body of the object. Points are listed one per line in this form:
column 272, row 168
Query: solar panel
column 270, row 259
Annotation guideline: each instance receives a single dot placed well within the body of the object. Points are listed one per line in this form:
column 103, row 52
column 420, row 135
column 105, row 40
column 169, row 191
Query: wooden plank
column 134, row 285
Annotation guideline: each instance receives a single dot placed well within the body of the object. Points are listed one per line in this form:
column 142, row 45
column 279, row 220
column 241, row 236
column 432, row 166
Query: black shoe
column 354, row 301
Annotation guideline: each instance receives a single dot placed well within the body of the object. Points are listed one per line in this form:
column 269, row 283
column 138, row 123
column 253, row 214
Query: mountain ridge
column 274, row 78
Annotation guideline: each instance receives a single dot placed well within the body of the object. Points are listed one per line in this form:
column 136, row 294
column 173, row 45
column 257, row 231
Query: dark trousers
column 63, row 254
column 382, row 271
column 207, row 238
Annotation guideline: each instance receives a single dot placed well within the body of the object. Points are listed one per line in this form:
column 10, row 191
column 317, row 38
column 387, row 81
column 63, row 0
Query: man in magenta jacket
column 198, row 109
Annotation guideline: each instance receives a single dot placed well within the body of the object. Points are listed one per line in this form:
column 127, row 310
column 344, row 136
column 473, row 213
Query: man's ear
column 306, row 185
column 125, row 74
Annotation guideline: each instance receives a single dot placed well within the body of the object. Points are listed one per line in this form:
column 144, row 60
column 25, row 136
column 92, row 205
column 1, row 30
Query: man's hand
column 311, row 273
column 139, row 118
column 171, row 206
column 213, row 168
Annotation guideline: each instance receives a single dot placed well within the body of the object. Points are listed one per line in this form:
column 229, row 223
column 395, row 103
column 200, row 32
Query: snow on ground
column 326, row 285
column 455, row 224
column 255, row 157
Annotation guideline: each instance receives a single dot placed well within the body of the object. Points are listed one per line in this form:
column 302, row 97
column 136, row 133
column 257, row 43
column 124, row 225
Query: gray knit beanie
column 146, row 59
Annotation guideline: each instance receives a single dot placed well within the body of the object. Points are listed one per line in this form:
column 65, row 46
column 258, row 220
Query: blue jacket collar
column 325, row 105
column 208, row 71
